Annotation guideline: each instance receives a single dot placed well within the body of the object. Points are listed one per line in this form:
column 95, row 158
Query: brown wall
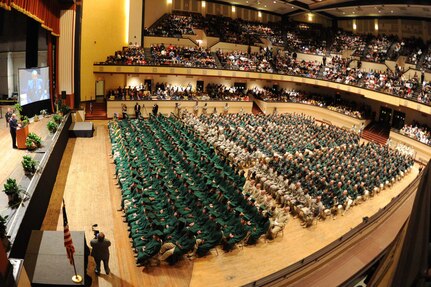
column 401, row 27
column 315, row 18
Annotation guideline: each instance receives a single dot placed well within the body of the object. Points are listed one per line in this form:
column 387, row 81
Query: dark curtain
column 413, row 261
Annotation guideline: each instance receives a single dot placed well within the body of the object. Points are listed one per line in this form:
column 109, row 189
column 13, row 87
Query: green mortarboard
column 158, row 233
column 213, row 212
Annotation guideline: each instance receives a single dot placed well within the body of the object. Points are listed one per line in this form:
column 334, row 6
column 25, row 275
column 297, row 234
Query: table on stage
column 46, row 261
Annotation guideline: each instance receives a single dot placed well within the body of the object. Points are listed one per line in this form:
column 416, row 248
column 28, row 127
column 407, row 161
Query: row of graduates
column 328, row 181
column 176, row 190
column 273, row 134
column 348, row 171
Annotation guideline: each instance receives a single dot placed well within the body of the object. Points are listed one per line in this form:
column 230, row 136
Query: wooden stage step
column 255, row 109
column 99, row 111
column 377, row 133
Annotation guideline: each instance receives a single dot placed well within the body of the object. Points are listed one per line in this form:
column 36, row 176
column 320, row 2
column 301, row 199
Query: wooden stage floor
column 85, row 180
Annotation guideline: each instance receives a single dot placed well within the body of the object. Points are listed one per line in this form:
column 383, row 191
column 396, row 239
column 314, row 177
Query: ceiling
column 343, row 8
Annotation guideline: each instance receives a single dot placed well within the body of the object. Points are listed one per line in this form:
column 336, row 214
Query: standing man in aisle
column 137, row 110
column 155, row 109
column 100, row 252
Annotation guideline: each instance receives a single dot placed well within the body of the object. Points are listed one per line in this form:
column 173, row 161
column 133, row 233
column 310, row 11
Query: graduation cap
column 136, row 181
column 139, row 186
column 158, row 233
column 182, row 219
column 213, row 212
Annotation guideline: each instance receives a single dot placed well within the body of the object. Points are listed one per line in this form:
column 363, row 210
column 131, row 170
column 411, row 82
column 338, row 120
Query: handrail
column 343, row 240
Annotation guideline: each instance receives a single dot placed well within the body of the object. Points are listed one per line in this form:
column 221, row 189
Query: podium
column 21, row 136
column 46, row 261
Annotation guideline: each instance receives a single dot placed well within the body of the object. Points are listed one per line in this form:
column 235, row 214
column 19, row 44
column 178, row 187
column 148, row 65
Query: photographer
column 100, row 252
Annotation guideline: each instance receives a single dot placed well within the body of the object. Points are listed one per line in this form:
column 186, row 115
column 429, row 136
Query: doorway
column 385, row 116
column 398, row 120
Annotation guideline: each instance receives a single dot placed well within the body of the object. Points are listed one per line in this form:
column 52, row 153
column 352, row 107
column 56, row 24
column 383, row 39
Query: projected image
column 33, row 85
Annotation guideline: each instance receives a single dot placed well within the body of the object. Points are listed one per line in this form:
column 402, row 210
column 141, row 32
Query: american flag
column 68, row 243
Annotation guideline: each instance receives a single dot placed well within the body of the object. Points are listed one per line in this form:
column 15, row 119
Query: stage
column 46, row 262
column 81, row 130
column 36, row 189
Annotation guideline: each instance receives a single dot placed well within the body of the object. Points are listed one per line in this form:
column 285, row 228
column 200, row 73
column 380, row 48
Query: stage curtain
column 46, row 12
column 5, row 4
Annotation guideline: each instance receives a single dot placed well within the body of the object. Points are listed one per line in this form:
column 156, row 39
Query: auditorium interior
column 215, row 142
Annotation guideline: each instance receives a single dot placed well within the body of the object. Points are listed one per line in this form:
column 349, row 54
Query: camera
column 95, row 230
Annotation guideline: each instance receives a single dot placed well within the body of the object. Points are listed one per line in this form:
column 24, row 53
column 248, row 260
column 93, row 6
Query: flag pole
column 75, row 278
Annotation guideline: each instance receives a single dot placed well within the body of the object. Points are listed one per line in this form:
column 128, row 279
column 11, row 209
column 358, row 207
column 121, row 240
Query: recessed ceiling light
column 353, row 12
column 265, row 6
column 392, row 11
column 344, row 13
column 275, row 2
column 293, row 7
column 380, row 11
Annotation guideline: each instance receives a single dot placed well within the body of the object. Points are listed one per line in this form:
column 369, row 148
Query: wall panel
column 153, row 9
column 195, row 6
column 186, row 5
column 66, row 51
column 403, row 28
column 135, row 22
column 103, row 33
column 178, row 4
